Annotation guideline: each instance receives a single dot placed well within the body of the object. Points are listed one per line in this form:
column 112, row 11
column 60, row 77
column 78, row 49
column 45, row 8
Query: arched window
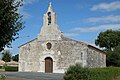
column 49, row 18
column 49, row 45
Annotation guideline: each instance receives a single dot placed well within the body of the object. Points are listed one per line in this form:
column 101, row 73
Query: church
column 51, row 52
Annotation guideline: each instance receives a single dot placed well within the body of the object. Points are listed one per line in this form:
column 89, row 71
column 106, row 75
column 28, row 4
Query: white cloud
column 110, row 18
column 7, row 49
column 98, row 28
column 107, row 6
column 29, row 1
column 22, row 11
column 25, row 14
column 71, row 34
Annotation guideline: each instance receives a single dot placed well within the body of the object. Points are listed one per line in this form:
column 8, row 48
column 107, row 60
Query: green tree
column 6, row 56
column 113, row 57
column 10, row 22
column 108, row 39
column 15, row 58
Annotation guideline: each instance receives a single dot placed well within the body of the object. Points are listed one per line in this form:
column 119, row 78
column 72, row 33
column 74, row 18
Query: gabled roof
column 27, row 42
column 68, row 39
column 89, row 46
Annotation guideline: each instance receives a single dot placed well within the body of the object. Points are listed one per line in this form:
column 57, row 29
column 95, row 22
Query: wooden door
column 48, row 65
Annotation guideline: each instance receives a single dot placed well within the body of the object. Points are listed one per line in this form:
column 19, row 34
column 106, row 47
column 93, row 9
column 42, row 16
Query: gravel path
column 34, row 75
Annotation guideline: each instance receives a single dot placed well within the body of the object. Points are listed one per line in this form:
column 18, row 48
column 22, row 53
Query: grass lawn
column 117, row 78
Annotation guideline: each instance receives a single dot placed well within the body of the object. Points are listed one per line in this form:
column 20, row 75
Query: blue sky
column 80, row 20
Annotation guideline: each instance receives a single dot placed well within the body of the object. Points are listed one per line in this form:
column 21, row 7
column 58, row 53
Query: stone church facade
column 51, row 52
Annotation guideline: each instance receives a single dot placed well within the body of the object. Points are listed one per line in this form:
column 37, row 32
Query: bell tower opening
column 50, row 30
column 49, row 18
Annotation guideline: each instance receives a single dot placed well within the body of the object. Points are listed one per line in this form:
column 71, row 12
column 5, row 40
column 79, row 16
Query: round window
column 49, row 45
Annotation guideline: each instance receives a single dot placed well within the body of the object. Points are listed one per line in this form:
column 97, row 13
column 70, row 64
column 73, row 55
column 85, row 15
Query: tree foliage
column 10, row 22
column 108, row 39
column 6, row 56
column 113, row 57
column 15, row 58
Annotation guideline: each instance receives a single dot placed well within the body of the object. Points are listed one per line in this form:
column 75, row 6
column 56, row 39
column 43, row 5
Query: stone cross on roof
column 50, row 3
column 50, row 7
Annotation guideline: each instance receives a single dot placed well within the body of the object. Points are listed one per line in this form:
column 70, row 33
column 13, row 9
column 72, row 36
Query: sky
column 80, row 20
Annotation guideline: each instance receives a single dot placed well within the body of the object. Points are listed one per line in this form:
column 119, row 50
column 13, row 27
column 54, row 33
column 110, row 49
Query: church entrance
column 48, row 65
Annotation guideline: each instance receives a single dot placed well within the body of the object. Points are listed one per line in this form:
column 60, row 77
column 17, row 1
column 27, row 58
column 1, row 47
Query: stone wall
column 64, row 53
column 28, row 57
column 95, row 58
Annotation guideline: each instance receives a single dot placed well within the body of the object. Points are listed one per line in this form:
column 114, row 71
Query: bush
column 76, row 72
column 11, row 68
column 2, row 77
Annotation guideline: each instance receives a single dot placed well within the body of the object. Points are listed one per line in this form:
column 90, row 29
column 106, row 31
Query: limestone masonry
column 51, row 52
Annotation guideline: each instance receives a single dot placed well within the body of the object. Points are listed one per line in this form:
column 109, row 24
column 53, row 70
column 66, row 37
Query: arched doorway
column 48, row 65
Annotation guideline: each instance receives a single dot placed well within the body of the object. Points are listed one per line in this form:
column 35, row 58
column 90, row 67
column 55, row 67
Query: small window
column 49, row 45
column 81, row 56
